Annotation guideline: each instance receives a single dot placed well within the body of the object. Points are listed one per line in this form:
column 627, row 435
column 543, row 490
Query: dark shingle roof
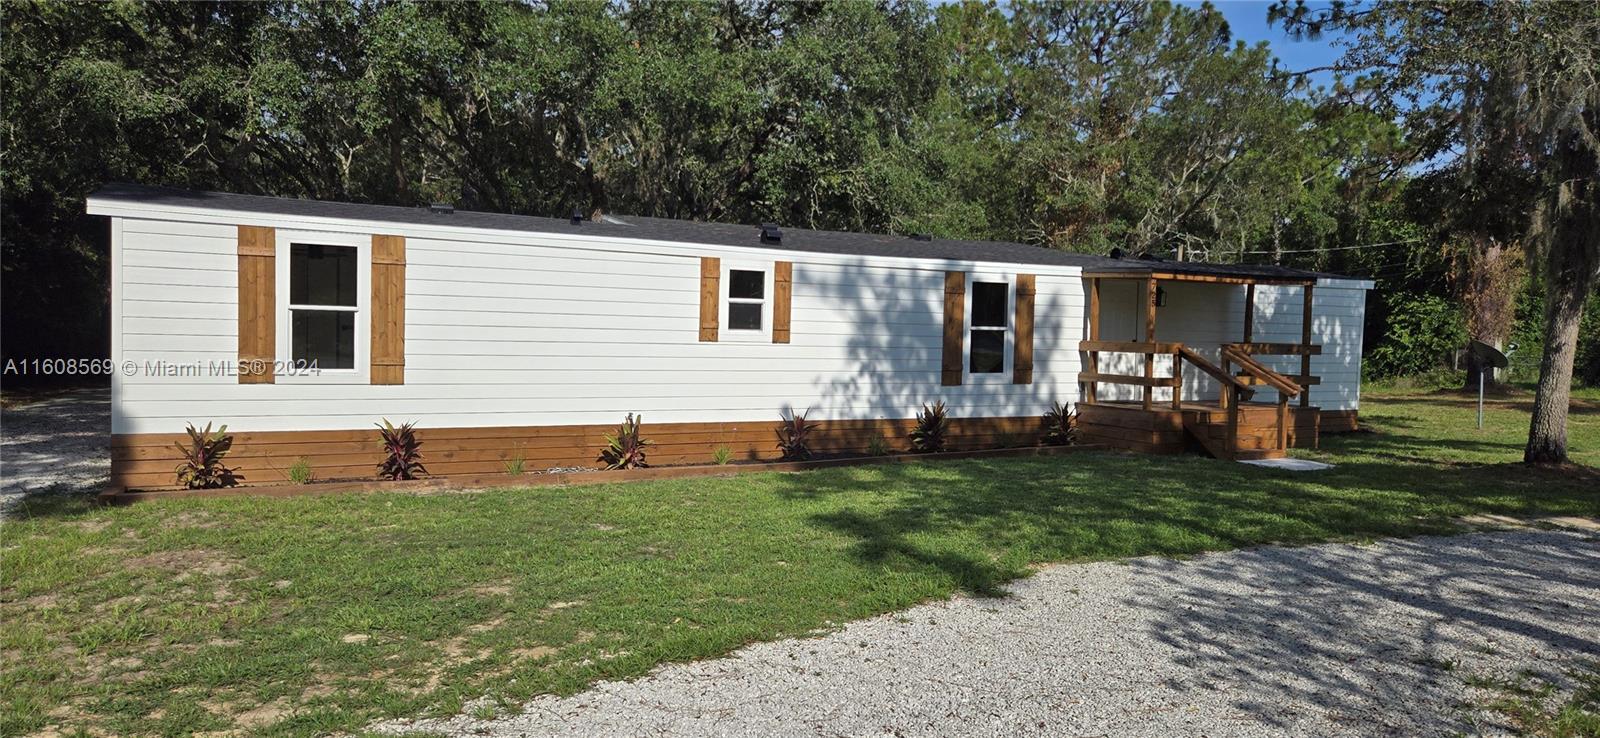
column 683, row 231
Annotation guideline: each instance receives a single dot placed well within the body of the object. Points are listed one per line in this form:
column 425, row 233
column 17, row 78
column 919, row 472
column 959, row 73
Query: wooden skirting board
column 1161, row 431
column 149, row 460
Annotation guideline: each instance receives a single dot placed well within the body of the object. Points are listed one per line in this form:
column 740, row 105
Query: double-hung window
column 323, row 323
column 746, row 294
column 986, row 342
column 323, row 305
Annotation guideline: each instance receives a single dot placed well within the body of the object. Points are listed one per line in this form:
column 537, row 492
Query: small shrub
column 933, row 424
column 722, row 455
column 202, row 466
column 626, row 449
column 878, row 446
column 794, row 437
column 1060, row 425
column 516, row 465
column 300, row 471
column 402, row 457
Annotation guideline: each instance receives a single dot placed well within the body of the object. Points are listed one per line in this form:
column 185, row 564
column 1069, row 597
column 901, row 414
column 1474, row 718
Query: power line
column 1334, row 248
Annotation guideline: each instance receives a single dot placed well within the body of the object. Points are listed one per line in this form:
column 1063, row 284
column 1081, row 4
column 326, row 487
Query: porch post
column 1249, row 312
column 1305, row 340
column 1094, row 335
column 1149, row 337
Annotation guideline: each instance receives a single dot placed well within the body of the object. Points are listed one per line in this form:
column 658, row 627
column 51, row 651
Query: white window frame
column 1006, row 352
column 284, row 370
column 729, row 333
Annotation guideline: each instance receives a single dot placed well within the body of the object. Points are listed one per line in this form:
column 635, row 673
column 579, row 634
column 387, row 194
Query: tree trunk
column 1489, row 296
column 1574, row 264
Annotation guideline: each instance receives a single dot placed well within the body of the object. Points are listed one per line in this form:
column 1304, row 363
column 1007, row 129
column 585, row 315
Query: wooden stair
column 1256, row 436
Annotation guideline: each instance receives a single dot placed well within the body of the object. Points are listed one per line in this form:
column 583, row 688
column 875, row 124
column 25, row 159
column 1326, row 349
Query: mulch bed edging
column 124, row 496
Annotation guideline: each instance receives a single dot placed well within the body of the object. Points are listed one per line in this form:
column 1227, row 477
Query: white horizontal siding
column 552, row 331
column 554, row 334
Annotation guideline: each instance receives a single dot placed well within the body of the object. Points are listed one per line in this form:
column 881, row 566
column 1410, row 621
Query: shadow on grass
column 980, row 522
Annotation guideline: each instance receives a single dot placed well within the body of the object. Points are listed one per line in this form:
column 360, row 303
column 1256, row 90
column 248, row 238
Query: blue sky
column 1248, row 21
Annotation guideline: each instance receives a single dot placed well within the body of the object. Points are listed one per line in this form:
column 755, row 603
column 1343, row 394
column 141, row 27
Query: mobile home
column 300, row 324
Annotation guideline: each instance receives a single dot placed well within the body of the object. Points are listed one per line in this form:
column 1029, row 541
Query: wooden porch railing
column 1237, row 388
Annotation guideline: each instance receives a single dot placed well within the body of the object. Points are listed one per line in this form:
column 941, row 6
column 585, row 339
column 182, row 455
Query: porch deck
column 1199, row 426
column 1228, row 427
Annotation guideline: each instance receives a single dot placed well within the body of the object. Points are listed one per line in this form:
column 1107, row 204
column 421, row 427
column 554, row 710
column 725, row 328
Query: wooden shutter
column 1022, row 353
column 258, row 305
column 955, row 304
column 710, row 293
column 388, row 310
column 782, row 286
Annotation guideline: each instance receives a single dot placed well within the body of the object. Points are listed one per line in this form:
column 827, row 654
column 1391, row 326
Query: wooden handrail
column 1257, row 369
column 1277, row 349
column 1216, row 372
column 1130, row 347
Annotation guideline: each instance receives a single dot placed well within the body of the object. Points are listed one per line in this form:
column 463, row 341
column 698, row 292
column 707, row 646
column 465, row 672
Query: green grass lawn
column 316, row 614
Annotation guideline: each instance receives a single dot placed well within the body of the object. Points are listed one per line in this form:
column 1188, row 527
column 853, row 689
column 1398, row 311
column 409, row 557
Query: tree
column 1539, row 64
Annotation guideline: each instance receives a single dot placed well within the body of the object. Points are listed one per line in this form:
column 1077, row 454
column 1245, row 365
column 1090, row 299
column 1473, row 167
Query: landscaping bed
column 122, row 495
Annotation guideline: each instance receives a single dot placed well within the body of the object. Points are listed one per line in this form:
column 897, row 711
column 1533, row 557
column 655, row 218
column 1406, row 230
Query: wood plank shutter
column 710, row 293
column 955, row 303
column 782, row 286
column 388, row 310
column 1022, row 359
column 258, row 305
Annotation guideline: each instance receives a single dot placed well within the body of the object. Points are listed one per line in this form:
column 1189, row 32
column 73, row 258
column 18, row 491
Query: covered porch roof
column 1189, row 271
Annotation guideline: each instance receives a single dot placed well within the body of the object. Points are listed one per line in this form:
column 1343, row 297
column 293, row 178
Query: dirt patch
column 187, row 562
column 533, row 653
column 554, row 606
column 499, row 588
column 487, row 625
column 264, row 715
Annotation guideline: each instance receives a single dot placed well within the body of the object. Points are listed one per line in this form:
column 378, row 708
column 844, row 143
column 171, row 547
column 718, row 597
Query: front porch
column 1215, row 410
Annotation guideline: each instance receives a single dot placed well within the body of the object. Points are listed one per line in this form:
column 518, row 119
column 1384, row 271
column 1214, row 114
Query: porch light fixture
column 1161, row 296
column 770, row 233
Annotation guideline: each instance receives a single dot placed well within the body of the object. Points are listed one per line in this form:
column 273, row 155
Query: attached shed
column 301, row 323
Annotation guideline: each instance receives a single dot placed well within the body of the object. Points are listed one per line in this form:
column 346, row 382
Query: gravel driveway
column 1326, row 640
column 58, row 444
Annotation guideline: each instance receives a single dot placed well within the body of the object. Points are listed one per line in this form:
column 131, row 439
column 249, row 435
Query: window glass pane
column 988, row 352
column 989, row 303
column 744, row 316
column 746, row 285
column 327, row 337
column 322, row 275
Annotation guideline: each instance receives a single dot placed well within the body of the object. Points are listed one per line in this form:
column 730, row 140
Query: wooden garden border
column 125, row 496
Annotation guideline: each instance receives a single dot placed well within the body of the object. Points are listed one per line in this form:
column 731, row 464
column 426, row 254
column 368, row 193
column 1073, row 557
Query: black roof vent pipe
column 1116, row 253
column 770, row 233
column 922, row 236
column 577, row 216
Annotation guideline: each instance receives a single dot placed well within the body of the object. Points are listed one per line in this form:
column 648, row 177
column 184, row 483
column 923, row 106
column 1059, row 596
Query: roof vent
column 770, row 233
column 922, row 236
column 1147, row 256
column 577, row 216
column 441, row 208
column 1116, row 253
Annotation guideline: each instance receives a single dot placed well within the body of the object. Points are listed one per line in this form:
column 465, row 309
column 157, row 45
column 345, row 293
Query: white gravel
column 60, row 444
column 1372, row 640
